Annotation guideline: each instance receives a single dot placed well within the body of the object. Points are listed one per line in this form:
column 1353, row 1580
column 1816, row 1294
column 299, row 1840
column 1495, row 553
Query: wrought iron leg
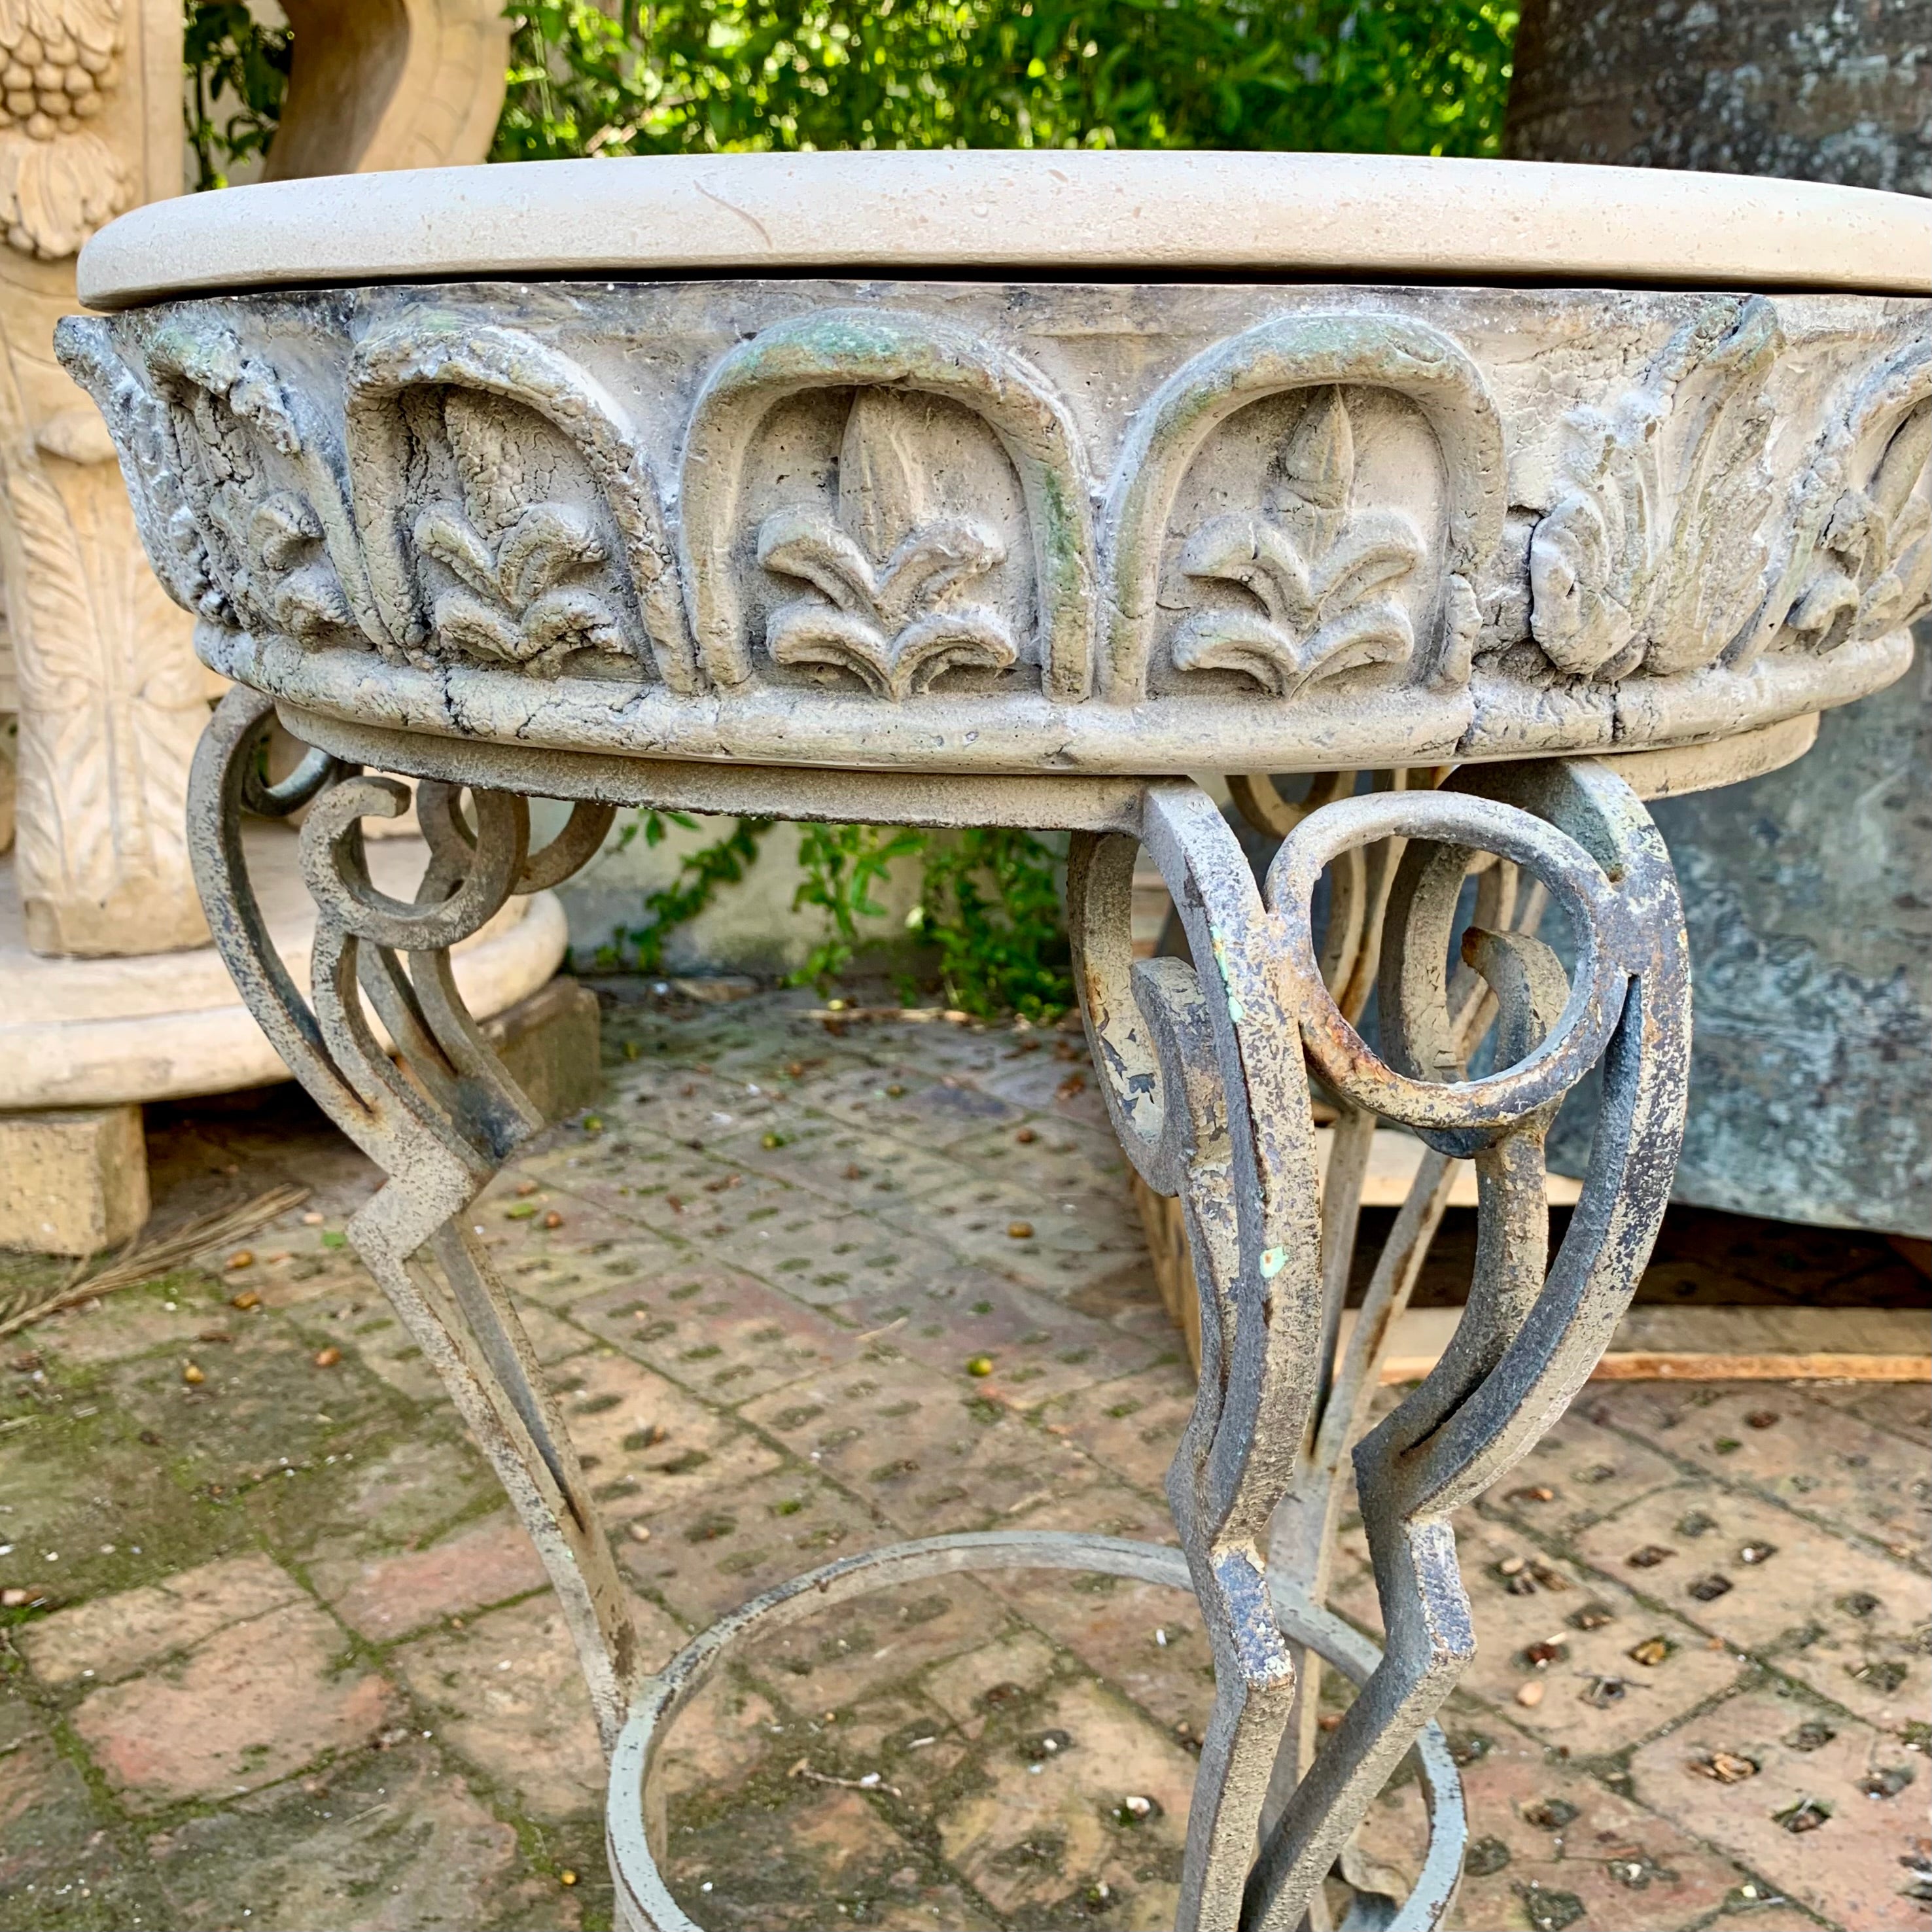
column 1207, row 1079
column 439, row 1130
column 1207, row 1075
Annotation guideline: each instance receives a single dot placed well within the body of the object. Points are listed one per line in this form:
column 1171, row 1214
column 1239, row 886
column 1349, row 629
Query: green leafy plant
column 842, row 865
column 226, row 51
column 700, row 875
column 1427, row 76
column 992, row 905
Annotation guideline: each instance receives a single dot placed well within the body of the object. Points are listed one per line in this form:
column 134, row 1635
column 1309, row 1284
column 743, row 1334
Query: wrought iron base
column 634, row 1810
column 1208, row 1070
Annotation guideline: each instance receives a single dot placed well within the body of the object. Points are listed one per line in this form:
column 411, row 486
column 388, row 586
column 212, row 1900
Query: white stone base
column 94, row 1032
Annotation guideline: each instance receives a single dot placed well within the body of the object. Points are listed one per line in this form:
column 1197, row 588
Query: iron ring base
column 644, row 1901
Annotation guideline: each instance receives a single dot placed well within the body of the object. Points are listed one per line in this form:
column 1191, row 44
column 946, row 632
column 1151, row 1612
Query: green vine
column 697, row 882
column 990, row 904
column 225, row 49
column 710, row 76
column 842, row 864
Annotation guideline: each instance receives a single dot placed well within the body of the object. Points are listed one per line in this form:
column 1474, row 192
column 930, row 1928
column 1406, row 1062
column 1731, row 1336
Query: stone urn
column 960, row 488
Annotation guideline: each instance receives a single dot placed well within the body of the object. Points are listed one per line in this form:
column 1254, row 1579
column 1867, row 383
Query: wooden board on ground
column 1653, row 1343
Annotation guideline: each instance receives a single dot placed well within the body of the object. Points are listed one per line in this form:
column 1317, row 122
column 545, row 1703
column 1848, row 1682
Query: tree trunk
column 1808, row 89
column 1809, row 892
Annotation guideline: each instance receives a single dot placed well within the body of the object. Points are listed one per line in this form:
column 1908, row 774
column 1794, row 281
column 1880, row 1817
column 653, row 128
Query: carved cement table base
column 842, row 535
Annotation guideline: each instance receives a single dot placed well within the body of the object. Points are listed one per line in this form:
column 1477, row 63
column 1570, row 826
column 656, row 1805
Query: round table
column 968, row 489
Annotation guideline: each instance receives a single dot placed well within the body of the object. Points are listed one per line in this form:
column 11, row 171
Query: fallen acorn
column 191, row 1374
column 979, row 1365
column 553, row 1219
column 246, row 1299
column 641, row 1532
column 242, row 1258
column 327, row 1358
column 1019, row 1230
column 526, row 1186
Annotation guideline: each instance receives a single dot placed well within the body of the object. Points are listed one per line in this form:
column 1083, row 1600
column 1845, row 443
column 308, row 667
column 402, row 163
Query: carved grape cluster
column 61, row 63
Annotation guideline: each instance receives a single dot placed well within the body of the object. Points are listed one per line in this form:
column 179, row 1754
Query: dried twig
column 136, row 1262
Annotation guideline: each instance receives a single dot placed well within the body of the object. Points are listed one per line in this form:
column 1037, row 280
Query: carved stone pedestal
column 94, row 1034
column 95, row 660
column 801, row 521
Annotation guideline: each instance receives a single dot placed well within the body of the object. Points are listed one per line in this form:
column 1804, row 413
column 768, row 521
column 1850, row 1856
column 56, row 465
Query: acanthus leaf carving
column 1859, row 562
column 1321, row 571
column 513, row 600
column 1652, row 557
column 1317, row 506
column 1316, row 563
column 254, row 530
column 59, row 182
column 883, row 569
column 510, row 580
column 887, row 357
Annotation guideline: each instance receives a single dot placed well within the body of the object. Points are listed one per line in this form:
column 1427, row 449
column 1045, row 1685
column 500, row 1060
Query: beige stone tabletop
column 1077, row 214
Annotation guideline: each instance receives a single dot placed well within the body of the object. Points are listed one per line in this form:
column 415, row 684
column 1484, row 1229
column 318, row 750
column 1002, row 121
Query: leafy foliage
column 992, row 905
column 699, row 875
column 842, row 865
column 226, row 51
column 684, row 76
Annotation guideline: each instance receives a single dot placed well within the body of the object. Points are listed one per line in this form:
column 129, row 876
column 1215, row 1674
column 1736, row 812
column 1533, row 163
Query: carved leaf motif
column 807, row 633
column 805, row 543
column 1857, row 562
column 882, row 621
column 250, row 553
column 282, row 528
column 570, row 620
column 475, row 629
column 514, row 604
column 549, row 541
column 1321, row 576
column 54, row 193
column 1650, row 554
column 308, row 603
column 444, row 533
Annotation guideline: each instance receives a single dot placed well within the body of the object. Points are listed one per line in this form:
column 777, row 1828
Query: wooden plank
column 1715, row 1344
column 1653, row 1343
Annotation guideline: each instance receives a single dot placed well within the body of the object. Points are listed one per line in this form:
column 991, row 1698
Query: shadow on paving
column 277, row 1656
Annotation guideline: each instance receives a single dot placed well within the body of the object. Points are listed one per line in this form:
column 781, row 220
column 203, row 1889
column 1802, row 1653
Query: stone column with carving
column 111, row 698
column 109, row 994
column 1810, row 930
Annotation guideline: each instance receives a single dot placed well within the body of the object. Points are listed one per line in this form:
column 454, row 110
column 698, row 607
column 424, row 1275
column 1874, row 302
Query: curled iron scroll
column 439, row 1130
column 1206, row 1069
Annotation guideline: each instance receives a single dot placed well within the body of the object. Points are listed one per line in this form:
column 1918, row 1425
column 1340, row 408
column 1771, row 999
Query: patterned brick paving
column 284, row 1661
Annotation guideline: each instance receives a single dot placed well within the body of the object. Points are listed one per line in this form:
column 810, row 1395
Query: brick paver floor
column 276, row 1656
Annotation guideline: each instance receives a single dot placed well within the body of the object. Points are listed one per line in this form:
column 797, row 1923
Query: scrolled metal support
column 1207, row 1074
column 438, row 1131
column 1209, row 1069
column 1531, row 1330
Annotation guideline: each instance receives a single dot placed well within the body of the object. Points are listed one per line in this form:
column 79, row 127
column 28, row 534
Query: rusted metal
column 1207, row 1074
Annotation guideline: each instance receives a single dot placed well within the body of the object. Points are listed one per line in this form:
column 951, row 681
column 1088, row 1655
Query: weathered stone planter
column 971, row 488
